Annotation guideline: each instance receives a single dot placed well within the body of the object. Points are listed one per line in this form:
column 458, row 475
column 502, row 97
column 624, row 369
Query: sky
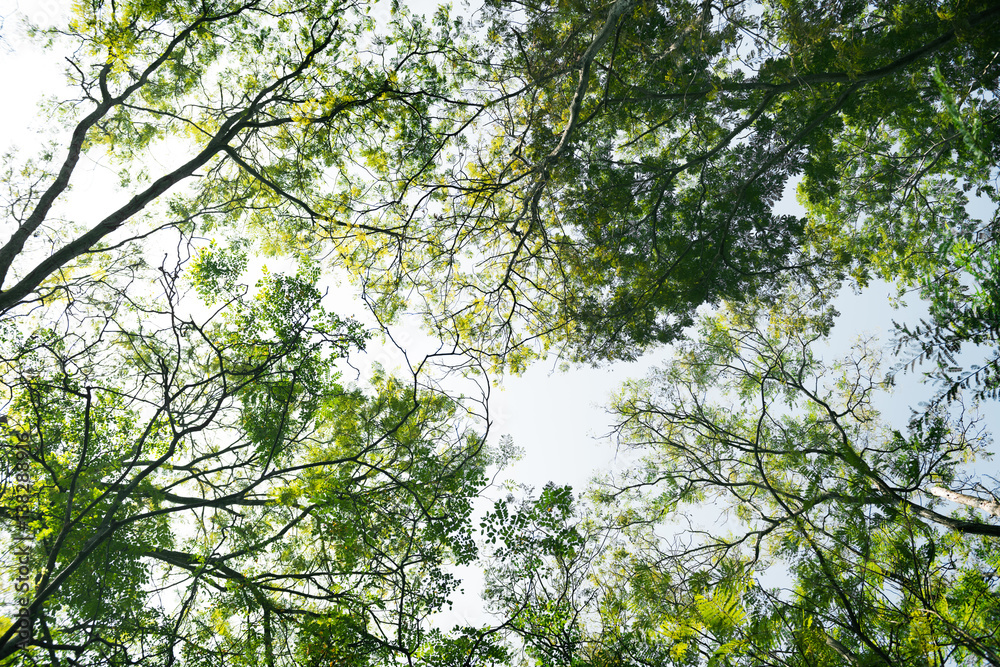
column 557, row 418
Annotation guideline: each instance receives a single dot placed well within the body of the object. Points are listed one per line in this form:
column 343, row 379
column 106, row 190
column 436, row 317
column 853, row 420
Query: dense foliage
column 195, row 473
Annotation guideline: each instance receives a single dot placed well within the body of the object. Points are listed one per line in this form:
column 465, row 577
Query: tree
column 964, row 312
column 832, row 545
column 638, row 150
column 202, row 488
column 814, row 485
column 209, row 492
column 536, row 575
column 261, row 104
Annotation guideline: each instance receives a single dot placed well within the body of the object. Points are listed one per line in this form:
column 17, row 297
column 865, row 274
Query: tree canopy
column 819, row 485
column 643, row 147
column 196, row 472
